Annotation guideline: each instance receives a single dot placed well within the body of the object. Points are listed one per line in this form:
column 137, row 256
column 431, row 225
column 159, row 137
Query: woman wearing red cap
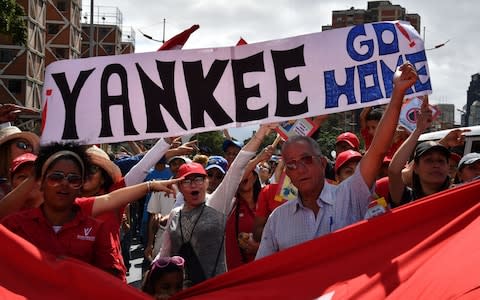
column 13, row 143
column 196, row 229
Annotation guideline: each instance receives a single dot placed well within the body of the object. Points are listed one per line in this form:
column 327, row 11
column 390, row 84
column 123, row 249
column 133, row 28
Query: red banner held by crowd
column 428, row 249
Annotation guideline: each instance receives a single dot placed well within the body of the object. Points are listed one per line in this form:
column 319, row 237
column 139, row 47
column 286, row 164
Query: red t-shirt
column 381, row 188
column 83, row 238
column 266, row 200
column 246, row 217
column 367, row 138
column 112, row 220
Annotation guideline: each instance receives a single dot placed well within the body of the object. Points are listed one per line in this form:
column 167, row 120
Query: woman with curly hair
column 60, row 226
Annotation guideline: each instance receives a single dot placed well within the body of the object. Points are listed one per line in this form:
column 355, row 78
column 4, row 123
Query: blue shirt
column 292, row 223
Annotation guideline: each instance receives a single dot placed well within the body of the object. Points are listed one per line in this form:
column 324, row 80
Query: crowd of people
column 199, row 216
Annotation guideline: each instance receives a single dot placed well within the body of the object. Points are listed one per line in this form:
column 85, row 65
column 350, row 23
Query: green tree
column 12, row 21
column 212, row 139
column 269, row 139
column 326, row 135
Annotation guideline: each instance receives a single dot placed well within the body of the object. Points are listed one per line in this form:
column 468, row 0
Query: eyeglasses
column 93, row 169
column 56, row 178
column 304, row 161
column 24, row 146
column 164, row 261
column 218, row 176
column 196, row 180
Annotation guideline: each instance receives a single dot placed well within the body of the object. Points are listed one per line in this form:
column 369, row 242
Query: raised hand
column 405, row 77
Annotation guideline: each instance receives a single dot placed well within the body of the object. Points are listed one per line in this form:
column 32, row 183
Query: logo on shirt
column 86, row 235
column 86, row 231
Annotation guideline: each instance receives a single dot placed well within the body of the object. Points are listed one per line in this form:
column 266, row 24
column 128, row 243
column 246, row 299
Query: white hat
column 12, row 132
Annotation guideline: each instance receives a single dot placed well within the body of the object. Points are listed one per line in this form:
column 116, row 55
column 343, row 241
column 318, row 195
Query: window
column 109, row 49
column 61, row 6
column 15, row 86
column 102, row 32
column 60, row 52
column 6, row 55
column 53, row 28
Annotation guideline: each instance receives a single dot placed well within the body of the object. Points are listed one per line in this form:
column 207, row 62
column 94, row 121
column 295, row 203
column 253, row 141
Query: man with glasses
column 322, row 208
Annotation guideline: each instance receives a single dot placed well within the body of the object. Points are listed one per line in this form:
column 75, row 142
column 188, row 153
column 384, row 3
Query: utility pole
column 90, row 50
column 163, row 39
column 153, row 39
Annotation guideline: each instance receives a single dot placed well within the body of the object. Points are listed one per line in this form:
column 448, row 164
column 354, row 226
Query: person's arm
column 363, row 117
column 166, row 249
column 18, row 197
column 372, row 160
column 152, row 230
column 138, row 173
column 396, row 184
column 184, row 149
column 222, row 197
column 454, row 138
column 258, row 226
column 135, row 148
column 123, row 196
column 9, row 112
column 226, row 134
column 264, row 155
column 268, row 244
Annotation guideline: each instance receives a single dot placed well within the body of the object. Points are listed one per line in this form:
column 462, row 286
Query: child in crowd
column 165, row 277
column 369, row 119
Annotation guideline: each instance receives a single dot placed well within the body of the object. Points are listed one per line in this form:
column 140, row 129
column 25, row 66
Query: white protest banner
column 171, row 93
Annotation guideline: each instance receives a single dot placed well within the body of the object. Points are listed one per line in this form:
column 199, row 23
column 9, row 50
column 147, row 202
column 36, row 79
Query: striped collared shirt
column 292, row 223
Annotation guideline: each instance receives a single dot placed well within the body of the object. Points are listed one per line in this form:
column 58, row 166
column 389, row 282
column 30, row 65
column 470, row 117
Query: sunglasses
column 196, row 180
column 303, row 161
column 56, row 178
column 24, row 146
column 164, row 261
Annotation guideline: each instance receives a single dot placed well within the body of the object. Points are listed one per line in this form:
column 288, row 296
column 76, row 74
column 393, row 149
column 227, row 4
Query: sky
column 223, row 22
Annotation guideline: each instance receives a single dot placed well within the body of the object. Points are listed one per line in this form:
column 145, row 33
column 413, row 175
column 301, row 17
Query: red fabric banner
column 177, row 42
column 425, row 250
column 28, row 273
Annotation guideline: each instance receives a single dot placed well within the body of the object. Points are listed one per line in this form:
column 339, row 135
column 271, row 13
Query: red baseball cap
column 345, row 157
column 189, row 169
column 21, row 160
column 350, row 138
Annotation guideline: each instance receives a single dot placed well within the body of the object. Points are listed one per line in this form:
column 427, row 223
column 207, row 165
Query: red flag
column 428, row 249
column 241, row 41
column 44, row 110
column 177, row 42
column 26, row 272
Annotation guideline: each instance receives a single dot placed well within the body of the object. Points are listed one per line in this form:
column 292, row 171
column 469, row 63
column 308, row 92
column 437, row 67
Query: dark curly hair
column 375, row 114
column 155, row 274
column 47, row 151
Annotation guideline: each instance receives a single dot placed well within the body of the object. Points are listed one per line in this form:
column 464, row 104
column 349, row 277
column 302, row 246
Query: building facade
column 446, row 118
column 54, row 32
column 473, row 101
